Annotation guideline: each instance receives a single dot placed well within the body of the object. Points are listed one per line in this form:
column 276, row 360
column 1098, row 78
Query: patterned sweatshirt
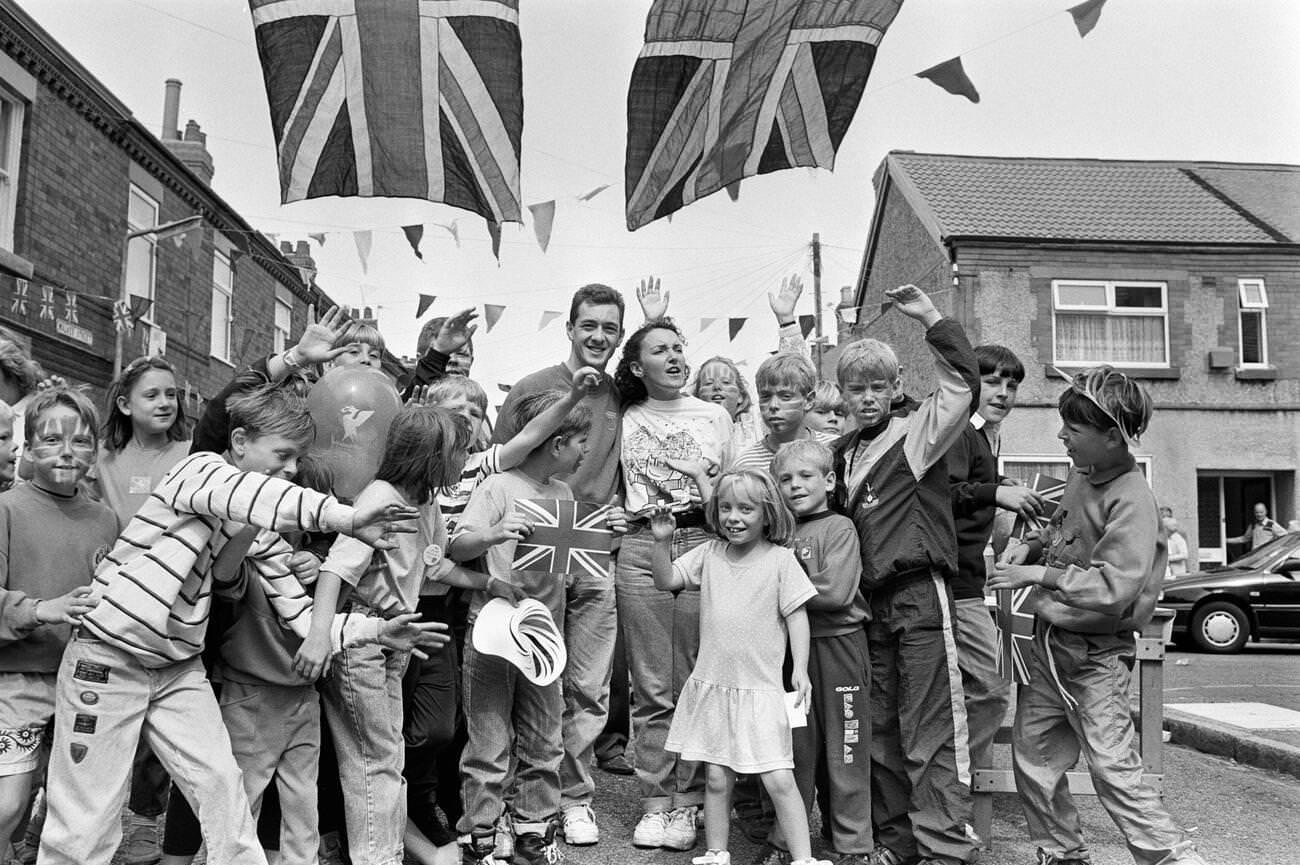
column 155, row 587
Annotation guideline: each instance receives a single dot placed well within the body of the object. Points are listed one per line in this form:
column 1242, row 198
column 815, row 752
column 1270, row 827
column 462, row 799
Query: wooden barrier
column 1150, row 646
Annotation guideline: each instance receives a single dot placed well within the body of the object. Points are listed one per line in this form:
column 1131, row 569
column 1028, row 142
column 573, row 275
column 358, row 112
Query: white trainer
column 579, row 825
column 680, row 832
column 650, row 831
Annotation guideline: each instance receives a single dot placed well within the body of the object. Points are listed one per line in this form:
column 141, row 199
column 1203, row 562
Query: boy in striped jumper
column 133, row 665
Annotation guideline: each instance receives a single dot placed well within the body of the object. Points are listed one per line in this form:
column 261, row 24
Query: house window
column 11, row 137
column 1023, row 467
column 1121, row 323
column 223, row 303
column 1252, row 333
column 141, row 215
column 283, row 323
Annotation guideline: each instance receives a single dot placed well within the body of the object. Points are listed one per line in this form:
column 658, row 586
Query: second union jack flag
column 1051, row 489
column 405, row 98
column 1015, row 629
column 732, row 88
column 568, row 537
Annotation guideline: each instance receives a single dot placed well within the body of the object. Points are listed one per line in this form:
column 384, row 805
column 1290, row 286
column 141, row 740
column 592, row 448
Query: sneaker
column 680, row 832
column 534, row 849
column 884, row 856
column 770, row 855
column 578, row 823
column 141, row 843
column 713, row 857
column 1045, row 858
column 651, row 830
column 504, row 850
column 478, row 851
column 616, row 765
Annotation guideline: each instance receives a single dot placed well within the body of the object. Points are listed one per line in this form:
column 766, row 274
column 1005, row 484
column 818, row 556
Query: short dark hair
column 1001, row 360
column 576, row 422
column 272, row 410
column 1105, row 398
column 596, row 294
column 419, row 448
column 631, row 390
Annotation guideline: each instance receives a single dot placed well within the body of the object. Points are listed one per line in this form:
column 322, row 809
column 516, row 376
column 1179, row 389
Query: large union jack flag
column 406, row 98
column 568, row 537
column 727, row 89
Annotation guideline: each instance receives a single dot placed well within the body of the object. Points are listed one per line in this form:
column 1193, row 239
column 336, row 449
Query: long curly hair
column 631, row 389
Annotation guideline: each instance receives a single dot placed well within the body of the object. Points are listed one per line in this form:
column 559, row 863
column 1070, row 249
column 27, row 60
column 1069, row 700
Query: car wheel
column 1220, row 627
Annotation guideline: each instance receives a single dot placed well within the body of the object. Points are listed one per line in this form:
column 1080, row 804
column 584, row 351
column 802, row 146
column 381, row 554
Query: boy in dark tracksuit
column 832, row 752
column 892, row 481
column 1102, row 562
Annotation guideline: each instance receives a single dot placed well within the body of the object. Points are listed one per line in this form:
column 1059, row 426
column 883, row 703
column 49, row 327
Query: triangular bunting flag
column 306, row 274
column 319, row 238
column 548, row 316
column 543, row 219
column 274, row 238
column 951, row 76
column 705, row 322
column 504, row 388
column 426, row 301
column 588, row 196
column 451, row 228
column 121, row 316
column 734, row 325
column 733, row 191
column 1085, row 15
column 413, row 234
column 494, row 231
column 245, row 343
column 806, row 324
column 492, row 314
column 139, row 306
column 363, row 239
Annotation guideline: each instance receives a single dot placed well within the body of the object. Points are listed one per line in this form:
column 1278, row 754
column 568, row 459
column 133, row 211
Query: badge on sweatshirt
column 432, row 555
column 90, row 698
column 88, row 671
column 84, row 723
column 78, row 752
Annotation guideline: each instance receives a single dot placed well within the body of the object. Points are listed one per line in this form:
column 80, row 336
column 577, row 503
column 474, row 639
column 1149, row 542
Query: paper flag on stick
column 413, row 234
column 363, row 239
column 1014, row 625
column 806, row 324
column 1050, row 489
column 951, row 76
column 543, row 219
column 494, row 231
column 319, row 237
column 426, row 301
column 588, row 196
column 734, row 325
column 1085, row 15
column 568, row 537
column 548, row 316
column 492, row 314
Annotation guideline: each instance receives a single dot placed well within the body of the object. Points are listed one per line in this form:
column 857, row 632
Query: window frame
column 228, row 292
column 280, row 336
column 1145, row 462
column 11, row 170
column 1111, row 309
column 1257, row 308
column 150, row 241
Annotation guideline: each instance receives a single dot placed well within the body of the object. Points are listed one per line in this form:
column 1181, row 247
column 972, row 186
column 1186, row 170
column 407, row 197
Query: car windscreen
column 1274, row 550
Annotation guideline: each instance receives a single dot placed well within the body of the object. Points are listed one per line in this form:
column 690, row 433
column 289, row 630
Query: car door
column 1277, row 602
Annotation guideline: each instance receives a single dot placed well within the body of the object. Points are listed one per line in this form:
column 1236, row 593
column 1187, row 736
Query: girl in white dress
column 732, row 712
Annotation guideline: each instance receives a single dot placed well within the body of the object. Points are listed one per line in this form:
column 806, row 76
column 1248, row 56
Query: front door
column 1225, row 502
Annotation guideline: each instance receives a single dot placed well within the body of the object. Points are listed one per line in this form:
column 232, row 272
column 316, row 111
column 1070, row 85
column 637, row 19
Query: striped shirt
column 155, row 587
column 758, row 455
column 479, row 465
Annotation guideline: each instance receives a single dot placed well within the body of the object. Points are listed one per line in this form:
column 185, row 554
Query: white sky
column 1157, row 79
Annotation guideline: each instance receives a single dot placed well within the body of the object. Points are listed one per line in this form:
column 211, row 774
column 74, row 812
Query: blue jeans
column 502, row 707
column 662, row 633
column 363, row 705
column 590, row 626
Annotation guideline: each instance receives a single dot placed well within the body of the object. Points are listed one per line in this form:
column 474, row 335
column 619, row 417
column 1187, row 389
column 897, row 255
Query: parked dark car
column 1257, row 596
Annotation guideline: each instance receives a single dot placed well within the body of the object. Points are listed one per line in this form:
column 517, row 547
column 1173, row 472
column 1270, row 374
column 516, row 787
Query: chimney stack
column 300, row 257
column 192, row 150
column 171, row 110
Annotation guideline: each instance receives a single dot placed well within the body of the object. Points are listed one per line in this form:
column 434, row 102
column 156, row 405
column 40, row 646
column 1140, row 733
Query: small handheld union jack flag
column 1015, row 627
column 1050, row 489
column 568, row 537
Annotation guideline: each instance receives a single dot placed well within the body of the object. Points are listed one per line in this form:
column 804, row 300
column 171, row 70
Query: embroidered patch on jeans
column 78, row 751
column 90, row 698
column 88, row 671
column 84, row 723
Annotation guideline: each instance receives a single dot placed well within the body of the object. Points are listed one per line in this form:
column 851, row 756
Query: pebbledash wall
column 1224, row 434
column 73, row 158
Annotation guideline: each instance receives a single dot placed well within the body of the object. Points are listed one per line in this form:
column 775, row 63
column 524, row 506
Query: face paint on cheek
column 70, row 435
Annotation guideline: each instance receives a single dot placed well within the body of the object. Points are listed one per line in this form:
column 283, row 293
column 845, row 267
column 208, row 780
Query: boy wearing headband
column 1097, row 574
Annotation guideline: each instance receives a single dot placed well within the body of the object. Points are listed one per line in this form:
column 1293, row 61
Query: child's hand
column 312, row 656
column 586, row 380
column 616, row 520
column 406, row 632
column 694, row 468
column 305, row 566
column 662, row 524
column 513, row 527
column 65, row 609
column 375, row 523
column 504, row 589
column 420, row 396
column 784, row 300
column 1015, row 576
column 1026, row 502
column 654, row 305
column 315, row 344
column 455, row 332
column 802, row 688
column 1016, row 553
column 913, row 303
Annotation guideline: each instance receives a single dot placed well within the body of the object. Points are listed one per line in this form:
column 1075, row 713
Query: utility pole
column 819, row 343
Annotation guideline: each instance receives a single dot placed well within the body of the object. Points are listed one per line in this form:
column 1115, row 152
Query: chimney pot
column 846, row 295
column 171, row 109
column 286, row 247
column 303, row 249
column 194, row 133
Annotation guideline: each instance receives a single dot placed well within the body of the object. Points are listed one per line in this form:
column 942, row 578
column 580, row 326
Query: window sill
column 16, row 264
column 1171, row 373
column 1256, row 373
column 228, row 363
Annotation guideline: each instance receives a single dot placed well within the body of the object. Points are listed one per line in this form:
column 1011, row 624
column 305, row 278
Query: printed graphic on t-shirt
column 645, row 469
column 140, row 485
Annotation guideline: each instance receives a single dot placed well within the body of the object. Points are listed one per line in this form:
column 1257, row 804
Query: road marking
column 1251, row 716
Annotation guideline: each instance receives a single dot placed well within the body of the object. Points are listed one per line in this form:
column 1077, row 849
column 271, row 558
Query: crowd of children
column 799, row 582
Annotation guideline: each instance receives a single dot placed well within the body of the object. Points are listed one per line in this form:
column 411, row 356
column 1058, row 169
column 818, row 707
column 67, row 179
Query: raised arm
column 586, row 380
column 666, row 579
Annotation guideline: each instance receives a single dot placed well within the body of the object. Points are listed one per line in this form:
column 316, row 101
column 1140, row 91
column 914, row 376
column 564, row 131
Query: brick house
column 1184, row 274
column 86, row 196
